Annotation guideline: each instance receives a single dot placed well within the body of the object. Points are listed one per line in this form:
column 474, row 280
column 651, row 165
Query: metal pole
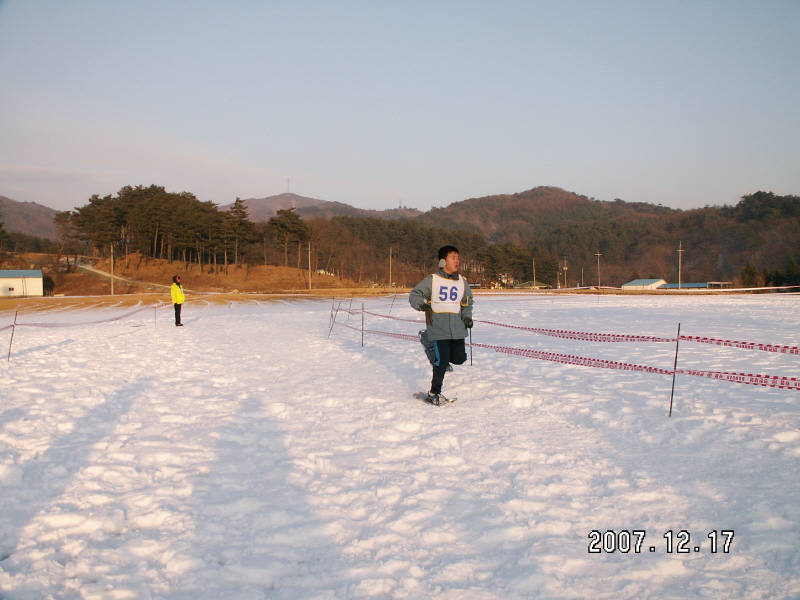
column 674, row 368
column 598, row 255
column 362, row 325
column 112, row 268
column 333, row 321
column 13, row 329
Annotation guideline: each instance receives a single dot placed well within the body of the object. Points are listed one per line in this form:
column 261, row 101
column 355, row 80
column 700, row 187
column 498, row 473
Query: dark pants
column 447, row 351
column 177, row 313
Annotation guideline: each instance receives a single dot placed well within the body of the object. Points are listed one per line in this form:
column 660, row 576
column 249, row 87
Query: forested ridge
column 501, row 238
column 757, row 241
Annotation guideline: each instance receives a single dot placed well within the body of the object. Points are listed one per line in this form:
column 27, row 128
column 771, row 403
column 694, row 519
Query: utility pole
column 680, row 262
column 598, row 255
column 565, row 273
column 534, row 275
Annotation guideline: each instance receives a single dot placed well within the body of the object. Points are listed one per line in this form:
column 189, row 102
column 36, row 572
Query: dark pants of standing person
column 447, row 351
column 177, row 313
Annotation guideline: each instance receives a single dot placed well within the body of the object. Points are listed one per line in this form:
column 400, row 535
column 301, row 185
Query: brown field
column 147, row 281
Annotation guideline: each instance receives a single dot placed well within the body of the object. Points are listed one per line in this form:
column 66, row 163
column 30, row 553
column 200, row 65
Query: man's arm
column 420, row 296
column 466, row 308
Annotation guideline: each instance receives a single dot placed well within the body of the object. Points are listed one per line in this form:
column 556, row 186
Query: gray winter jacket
column 442, row 326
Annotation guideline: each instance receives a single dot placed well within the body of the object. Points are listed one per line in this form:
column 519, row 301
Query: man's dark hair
column 445, row 250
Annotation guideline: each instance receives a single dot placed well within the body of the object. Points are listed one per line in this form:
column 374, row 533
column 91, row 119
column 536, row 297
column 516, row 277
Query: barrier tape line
column 569, row 359
column 118, row 318
column 366, row 312
column 744, row 345
column 773, row 381
column 790, row 383
column 614, row 337
column 580, row 335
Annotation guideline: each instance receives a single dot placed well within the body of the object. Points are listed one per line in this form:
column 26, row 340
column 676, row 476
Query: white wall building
column 643, row 284
column 21, row 283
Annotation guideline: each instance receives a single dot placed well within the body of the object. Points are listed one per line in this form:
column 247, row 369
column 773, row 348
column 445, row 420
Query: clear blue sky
column 372, row 103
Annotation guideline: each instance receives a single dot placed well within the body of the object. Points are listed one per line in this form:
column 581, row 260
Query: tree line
column 367, row 250
column 756, row 242
column 717, row 242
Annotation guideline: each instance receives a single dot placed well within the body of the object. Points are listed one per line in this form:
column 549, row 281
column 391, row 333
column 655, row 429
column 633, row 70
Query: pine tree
column 287, row 228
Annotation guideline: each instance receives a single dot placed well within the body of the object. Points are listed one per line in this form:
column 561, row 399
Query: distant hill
column 528, row 216
column 27, row 217
column 262, row 209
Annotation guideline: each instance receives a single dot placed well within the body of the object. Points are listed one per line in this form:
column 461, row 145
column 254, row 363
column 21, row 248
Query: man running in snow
column 446, row 299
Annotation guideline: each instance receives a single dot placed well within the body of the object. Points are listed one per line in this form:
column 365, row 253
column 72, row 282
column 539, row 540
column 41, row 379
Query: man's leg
column 441, row 364
column 458, row 352
column 178, row 314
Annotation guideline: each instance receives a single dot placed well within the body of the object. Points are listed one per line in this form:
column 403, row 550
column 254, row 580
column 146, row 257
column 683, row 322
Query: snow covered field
column 248, row 456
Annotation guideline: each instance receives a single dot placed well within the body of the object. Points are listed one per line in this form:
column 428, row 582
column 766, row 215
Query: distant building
column 534, row 285
column 710, row 285
column 643, row 284
column 21, row 283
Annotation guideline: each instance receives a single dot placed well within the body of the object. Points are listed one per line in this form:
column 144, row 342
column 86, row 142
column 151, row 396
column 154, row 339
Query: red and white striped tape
column 773, row 381
column 393, row 318
column 616, row 337
column 744, row 345
column 581, row 335
column 789, row 383
column 568, row 359
column 118, row 318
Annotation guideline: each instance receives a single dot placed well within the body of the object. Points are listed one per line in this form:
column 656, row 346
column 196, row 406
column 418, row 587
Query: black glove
column 468, row 322
column 426, row 308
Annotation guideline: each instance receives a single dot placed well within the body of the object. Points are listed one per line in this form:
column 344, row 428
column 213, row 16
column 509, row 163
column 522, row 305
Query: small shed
column 534, row 285
column 685, row 286
column 21, row 283
column 710, row 285
column 643, row 284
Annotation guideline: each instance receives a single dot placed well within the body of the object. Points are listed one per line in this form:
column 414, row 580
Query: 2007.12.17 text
column 625, row 541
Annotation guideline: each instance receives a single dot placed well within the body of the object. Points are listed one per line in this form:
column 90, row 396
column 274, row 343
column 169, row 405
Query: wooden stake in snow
column 674, row 368
column 13, row 329
column 470, row 346
column 333, row 320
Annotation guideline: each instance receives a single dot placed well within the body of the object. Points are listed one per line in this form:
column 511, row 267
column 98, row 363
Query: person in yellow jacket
column 178, row 298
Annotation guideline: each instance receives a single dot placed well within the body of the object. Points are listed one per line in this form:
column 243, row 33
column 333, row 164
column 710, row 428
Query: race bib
column 446, row 294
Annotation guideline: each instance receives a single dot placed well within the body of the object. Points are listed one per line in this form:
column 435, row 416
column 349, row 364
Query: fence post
column 674, row 368
column 13, row 329
column 333, row 321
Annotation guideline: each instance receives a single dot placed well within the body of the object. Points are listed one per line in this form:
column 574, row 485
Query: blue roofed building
column 643, row 284
column 21, row 283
